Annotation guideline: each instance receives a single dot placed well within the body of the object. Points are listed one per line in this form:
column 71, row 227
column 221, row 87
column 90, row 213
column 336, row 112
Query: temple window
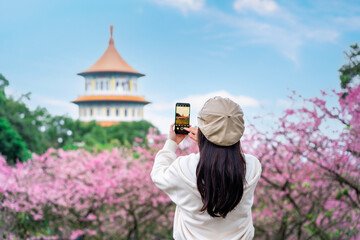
column 87, row 84
column 91, row 111
column 135, row 85
column 117, row 112
column 108, row 111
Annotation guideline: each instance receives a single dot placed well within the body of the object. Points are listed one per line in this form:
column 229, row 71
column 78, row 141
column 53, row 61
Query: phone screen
column 182, row 117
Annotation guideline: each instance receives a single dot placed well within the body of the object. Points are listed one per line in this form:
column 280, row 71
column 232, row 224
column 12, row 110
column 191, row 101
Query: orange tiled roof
column 107, row 124
column 115, row 98
column 111, row 61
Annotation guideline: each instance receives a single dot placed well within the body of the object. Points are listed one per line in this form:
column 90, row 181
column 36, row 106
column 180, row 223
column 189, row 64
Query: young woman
column 214, row 189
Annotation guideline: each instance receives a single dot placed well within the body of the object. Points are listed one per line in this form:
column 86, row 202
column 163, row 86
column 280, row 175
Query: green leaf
column 308, row 227
column 329, row 213
column 337, row 233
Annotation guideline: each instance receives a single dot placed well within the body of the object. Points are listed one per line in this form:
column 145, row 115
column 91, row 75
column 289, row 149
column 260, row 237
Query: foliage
column 27, row 123
column 310, row 186
column 309, row 189
column 350, row 70
column 76, row 193
column 11, row 144
column 126, row 132
column 40, row 131
column 3, row 83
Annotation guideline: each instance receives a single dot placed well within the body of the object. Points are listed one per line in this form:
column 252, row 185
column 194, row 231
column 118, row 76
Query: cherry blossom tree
column 309, row 188
column 77, row 193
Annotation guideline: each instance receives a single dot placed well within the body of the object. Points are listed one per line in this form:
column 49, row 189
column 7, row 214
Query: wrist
column 171, row 145
column 173, row 140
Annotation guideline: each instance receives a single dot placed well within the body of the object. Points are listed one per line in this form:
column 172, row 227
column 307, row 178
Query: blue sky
column 254, row 51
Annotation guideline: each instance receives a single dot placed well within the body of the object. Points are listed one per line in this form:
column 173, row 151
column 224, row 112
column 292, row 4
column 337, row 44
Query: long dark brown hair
column 220, row 176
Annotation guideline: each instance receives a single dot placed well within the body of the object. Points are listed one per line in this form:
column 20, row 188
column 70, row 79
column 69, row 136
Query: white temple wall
column 110, row 112
column 111, row 85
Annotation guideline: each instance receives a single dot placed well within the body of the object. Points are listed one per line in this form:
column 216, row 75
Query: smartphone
column 182, row 117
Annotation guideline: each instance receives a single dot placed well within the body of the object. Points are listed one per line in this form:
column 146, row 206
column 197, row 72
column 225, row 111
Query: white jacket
column 176, row 176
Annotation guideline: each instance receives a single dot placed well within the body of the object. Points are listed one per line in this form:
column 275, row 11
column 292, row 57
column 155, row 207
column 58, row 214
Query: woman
column 214, row 189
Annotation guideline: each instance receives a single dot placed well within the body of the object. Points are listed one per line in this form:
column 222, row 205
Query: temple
column 111, row 87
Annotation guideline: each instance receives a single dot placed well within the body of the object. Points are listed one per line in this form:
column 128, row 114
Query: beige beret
column 221, row 121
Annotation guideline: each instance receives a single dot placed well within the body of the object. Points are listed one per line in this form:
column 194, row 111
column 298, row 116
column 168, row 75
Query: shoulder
column 251, row 159
column 253, row 168
column 187, row 167
column 189, row 161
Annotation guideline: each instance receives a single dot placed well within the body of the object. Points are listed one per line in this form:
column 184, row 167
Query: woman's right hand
column 192, row 133
column 175, row 137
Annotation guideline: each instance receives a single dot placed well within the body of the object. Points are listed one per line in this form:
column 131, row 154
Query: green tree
column 126, row 132
column 28, row 123
column 350, row 70
column 40, row 131
column 34, row 126
column 3, row 83
column 11, row 144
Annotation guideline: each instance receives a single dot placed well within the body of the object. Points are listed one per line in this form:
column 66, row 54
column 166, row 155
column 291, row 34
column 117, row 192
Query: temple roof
column 111, row 61
column 110, row 98
column 107, row 123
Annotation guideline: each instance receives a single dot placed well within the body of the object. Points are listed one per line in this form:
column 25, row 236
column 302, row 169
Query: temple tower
column 111, row 86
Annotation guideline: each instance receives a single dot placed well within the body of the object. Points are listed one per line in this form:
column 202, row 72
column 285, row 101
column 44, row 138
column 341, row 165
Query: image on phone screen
column 182, row 117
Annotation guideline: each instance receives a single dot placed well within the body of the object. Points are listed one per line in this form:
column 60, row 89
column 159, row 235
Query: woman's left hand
column 176, row 137
column 192, row 133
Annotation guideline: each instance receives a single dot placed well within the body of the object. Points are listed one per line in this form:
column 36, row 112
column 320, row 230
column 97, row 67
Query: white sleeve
column 165, row 170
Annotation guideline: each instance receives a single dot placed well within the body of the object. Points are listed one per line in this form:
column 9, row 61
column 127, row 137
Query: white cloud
column 355, row 82
column 320, row 35
column 349, row 23
column 161, row 119
column 280, row 29
column 286, row 35
column 53, row 105
column 161, row 114
column 283, row 103
column 183, row 5
column 262, row 7
column 161, row 106
column 197, row 101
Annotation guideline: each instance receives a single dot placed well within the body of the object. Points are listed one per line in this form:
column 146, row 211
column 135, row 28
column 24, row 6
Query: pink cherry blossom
column 309, row 188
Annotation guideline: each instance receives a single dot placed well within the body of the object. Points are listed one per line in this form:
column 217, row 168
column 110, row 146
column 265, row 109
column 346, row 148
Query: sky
column 252, row 51
column 183, row 111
